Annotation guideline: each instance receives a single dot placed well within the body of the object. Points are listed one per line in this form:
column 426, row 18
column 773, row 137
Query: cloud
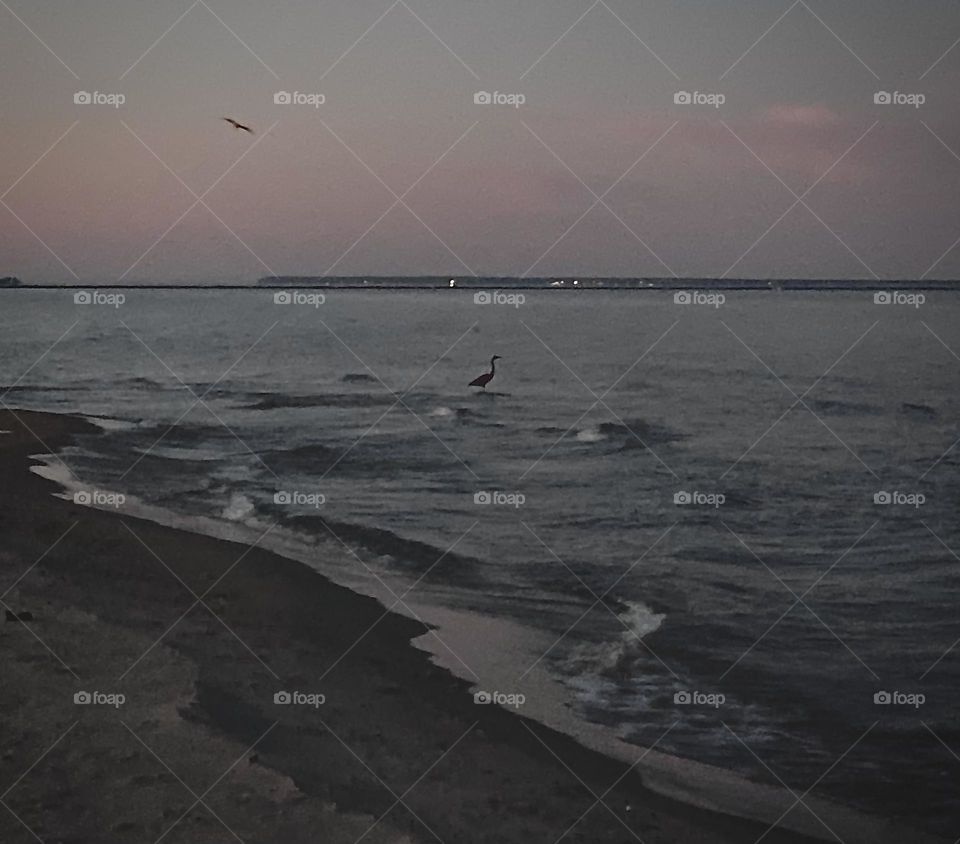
column 791, row 114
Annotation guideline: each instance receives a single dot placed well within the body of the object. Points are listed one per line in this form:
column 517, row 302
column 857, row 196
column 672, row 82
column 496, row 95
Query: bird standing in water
column 482, row 380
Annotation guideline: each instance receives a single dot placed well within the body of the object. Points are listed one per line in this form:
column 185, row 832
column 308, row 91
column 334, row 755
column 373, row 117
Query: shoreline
column 398, row 284
column 114, row 606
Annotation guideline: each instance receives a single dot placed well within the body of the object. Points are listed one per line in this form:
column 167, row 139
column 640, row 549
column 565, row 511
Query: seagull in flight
column 236, row 125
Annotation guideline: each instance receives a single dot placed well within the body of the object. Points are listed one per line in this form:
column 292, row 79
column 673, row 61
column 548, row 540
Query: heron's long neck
column 493, row 365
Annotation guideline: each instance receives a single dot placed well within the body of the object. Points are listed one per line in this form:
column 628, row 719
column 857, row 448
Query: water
column 797, row 598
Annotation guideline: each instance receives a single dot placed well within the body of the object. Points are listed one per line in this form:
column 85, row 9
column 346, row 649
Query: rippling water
column 782, row 586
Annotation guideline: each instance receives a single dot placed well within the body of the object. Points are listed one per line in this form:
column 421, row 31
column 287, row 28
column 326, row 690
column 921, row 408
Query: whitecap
column 617, row 657
column 640, row 619
column 239, row 508
column 110, row 424
column 590, row 435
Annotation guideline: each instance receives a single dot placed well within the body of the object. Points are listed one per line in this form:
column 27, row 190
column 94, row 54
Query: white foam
column 640, row 619
column 239, row 508
column 107, row 423
column 56, row 471
column 589, row 659
column 590, row 435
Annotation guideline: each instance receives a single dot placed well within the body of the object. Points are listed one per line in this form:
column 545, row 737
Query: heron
column 482, row 380
column 236, row 125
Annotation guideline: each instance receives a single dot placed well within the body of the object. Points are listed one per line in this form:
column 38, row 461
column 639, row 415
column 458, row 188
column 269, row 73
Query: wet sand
column 198, row 635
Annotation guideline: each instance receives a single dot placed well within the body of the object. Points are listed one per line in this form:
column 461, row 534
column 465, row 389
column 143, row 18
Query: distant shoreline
column 436, row 283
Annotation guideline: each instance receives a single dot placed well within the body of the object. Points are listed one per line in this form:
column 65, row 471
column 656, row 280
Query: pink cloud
column 790, row 114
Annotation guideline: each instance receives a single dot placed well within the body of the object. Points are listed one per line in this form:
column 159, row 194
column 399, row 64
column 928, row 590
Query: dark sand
column 199, row 752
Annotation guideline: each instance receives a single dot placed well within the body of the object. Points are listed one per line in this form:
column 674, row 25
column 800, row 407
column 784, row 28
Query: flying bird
column 236, row 125
column 482, row 380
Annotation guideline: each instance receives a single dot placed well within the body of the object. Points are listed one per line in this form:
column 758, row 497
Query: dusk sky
column 93, row 193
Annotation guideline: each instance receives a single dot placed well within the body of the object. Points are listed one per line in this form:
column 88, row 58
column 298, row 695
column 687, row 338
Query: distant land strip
column 409, row 283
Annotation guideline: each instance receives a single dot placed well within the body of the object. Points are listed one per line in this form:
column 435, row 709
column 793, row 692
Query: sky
column 590, row 162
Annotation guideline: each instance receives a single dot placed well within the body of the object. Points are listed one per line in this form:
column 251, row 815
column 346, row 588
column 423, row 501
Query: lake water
column 780, row 600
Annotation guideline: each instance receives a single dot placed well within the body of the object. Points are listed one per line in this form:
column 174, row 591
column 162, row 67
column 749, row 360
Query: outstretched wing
column 237, row 125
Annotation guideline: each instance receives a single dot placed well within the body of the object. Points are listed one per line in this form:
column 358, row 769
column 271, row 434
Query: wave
column 836, row 407
column 181, row 435
column 142, row 382
column 919, row 410
column 186, row 454
column 303, row 459
column 648, row 431
column 411, row 555
column 238, row 509
column 461, row 414
column 617, row 659
column 80, row 385
column 370, row 459
column 549, row 429
column 113, row 424
column 279, row 401
column 640, row 619
column 593, row 434
column 634, row 433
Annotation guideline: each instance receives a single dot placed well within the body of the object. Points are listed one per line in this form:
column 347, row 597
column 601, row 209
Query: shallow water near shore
column 781, row 587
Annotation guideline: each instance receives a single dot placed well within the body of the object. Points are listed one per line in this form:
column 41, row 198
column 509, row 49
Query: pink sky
column 799, row 104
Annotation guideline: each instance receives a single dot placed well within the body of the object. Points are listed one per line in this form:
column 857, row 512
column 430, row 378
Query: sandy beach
column 198, row 636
